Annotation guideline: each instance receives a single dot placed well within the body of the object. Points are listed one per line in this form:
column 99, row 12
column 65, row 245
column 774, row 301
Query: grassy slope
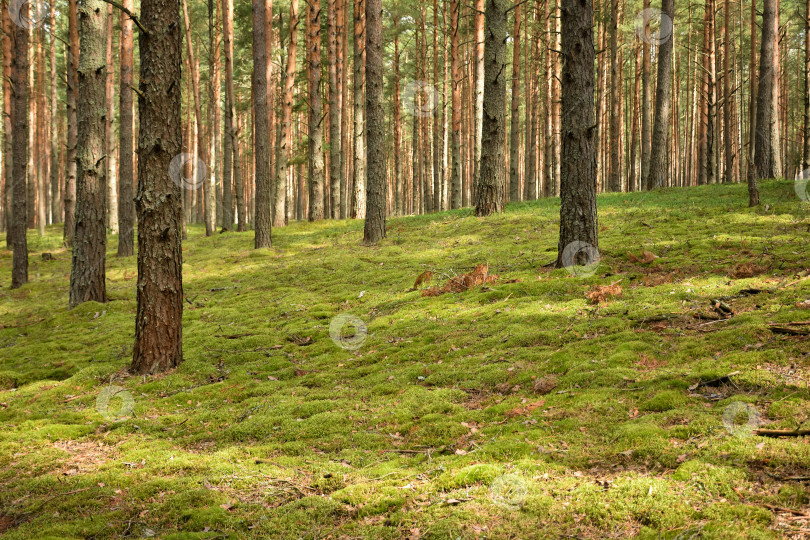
column 620, row 447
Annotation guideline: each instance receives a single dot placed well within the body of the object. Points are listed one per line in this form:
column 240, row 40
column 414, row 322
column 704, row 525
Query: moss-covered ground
column 514, row 410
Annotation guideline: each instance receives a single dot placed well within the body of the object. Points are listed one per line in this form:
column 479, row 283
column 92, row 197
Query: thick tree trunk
column 230, row 161
column 316, row 165
column 578, row 218
column 763, row 159
column 660, row 148
column 159, row 322
column 261, row 129
column 492, row 178
column 19, row 113
column 374, row 228
column 126, row 205
column 109, row 138
column 455, row 82
column 358, row 91
column 87, row 277
column 514, row 129
column 286, row 150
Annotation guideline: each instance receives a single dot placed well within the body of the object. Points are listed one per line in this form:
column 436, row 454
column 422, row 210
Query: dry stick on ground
column 782, row 432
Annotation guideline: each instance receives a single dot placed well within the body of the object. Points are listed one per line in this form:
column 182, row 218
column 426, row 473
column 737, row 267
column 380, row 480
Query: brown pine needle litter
column 601, row 293
column 479, row 276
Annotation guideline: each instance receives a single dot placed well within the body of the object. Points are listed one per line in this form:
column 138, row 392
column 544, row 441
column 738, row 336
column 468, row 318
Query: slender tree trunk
column 455, row 82
column 578, row 218
column 437, row 127
column 8, row 149
column 634, row 173
column 374, row 228
column 286, row 152
column 334, row 110
column 261, row 128
column 658, row 157
column 213, row 202
column 19, row 138
column 126, row 205
column 230, row 160
column 615, row 174
column 492, row 178
column 54, row 150
column 159, row 321
column 776, row 132
column 316, row 165
column 109, row 139
column 40, row 147
column 87, row 277
column 727, row 98
column 398, row 180
column 358, row 91
column 806, row 135
column 646, row 102
column 478, row 36
column 514, row 135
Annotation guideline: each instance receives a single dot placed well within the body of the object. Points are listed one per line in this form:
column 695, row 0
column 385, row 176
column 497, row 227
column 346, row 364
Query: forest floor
column 516, row 409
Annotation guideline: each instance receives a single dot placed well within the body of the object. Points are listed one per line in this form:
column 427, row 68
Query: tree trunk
column 514, row 128
column 578, row 218
column 806, row 146
column 230, row 161
column 763, row 162
column 261, row 128
column 126, row 205
column 490, row 186
column 286, row 139
column 616, row 170
column 109, row 139
column 646, row 103
column 455, row 82
column 358, row 78
column 398, row 179
column 478, row 21
column 87, row 277
column 334, row 110
column 19, row 141
column 776, row 132
column 54, row 150
column 316, row 165
column 660, row 149
column 213, row 202
column 374, row 228
column 437, row 128
column 8, row 162
column 159, row 322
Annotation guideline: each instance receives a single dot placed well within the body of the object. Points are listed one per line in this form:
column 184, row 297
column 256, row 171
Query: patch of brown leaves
column 601, row 293
column 646, row 257
column 479, row 276
column 747, row 270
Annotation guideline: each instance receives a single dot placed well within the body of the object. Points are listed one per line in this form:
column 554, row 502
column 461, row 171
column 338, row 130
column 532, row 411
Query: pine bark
column 514, row 128
column 213, row 203
column 286, row 139
column 159, row 321
column 87, row 277
column 455, row 82
column 109, row 138
column 806, row 98
column 578, row 217
column 8, row 162
column 261, row 129
column 478, row 35
column 646, row 106
column 660, row 148
column 374, row 228
column 492, row 178
column 616, row 169
column 763, row 162
column 229, row 156
column 55, row 210
column 126, row 170
column 334, row 110
column 358, row 96
column 19, row 138
column 316, row 159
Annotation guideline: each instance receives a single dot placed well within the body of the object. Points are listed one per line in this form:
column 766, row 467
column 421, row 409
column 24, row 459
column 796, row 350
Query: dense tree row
column 251, row 115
